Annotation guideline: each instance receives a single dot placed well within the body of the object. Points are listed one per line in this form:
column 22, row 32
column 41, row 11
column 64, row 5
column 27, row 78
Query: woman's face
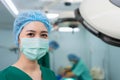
column 34, row 30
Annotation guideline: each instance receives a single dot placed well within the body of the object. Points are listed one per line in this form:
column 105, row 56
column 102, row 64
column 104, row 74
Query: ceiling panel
column 34, row 4
column 6, row 19
column 46, row 5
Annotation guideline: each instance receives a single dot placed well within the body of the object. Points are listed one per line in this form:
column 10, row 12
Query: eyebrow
column 31, row 31
column 35, row 31
column 44, row 31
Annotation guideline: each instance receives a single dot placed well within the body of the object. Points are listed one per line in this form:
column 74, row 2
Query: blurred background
column 101, row 58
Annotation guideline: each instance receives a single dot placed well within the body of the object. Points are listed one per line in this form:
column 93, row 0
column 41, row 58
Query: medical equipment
column 101, row 17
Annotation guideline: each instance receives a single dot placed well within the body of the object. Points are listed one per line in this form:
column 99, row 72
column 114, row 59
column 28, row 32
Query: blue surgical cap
column 26, row 17
column 53, row 44
column 73, row 57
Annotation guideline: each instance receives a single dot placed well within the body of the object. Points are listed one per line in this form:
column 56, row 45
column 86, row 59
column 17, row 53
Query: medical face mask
column 34, row 48
column 72, row 63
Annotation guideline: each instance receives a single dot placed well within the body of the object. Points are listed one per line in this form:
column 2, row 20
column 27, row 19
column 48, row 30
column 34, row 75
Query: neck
column 26, row 64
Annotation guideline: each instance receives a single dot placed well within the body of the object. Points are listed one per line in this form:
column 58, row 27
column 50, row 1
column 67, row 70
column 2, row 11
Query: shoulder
column 81, row 63
column 8, row 73
column 46, row 72
column 3, row 73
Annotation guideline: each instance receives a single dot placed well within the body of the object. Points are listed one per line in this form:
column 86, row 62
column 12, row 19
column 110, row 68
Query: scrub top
column 81, row 71
column 13, row 73
column 44, row 61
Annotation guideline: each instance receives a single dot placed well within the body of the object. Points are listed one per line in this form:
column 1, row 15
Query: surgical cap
column 53, row 44
column 73, row 57
column 26, row 17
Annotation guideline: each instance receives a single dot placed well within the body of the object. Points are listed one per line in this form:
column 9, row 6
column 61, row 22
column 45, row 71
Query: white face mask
column 34, row 48
column 72, row 63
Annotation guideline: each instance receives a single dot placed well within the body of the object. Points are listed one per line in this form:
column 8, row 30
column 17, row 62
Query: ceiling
column 49, row 6
column 6, row 19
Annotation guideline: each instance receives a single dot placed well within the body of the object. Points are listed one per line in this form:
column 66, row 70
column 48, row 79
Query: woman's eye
column 44, row 35
column 30, row 34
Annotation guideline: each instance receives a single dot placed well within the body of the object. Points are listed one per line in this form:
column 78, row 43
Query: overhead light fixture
column 73, row 1
column 69, row 79
column 46, row 0
column 52, row 15
column 68, row 29
column 76, row 29
column 11, row 6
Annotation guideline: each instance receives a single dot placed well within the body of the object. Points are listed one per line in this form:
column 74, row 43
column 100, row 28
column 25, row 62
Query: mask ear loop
column 18, row 52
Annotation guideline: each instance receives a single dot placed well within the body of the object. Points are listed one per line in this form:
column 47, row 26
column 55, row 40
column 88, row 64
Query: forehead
column 35, row 25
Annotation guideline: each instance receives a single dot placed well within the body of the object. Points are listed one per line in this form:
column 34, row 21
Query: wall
column 114, row 64
column 69, row 43
column 98, row 51
column 7, row 57
column 105, row 56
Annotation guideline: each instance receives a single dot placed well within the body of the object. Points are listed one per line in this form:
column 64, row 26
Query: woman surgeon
column 31, row 31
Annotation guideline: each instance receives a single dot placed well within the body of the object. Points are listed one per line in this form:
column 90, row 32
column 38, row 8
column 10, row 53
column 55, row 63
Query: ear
column 19, row 41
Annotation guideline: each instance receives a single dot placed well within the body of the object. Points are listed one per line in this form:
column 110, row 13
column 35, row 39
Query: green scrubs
column 13, row 73
column 44, row 61
column 81, row 71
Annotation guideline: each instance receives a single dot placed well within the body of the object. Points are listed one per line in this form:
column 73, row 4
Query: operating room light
column 12, row 6
column 73, row 1
column 52, row 15
column 68, row 79
column 67, row 29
